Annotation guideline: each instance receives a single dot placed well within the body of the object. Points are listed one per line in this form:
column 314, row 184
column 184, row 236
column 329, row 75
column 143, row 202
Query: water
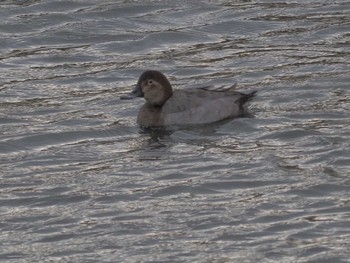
column 81, row 182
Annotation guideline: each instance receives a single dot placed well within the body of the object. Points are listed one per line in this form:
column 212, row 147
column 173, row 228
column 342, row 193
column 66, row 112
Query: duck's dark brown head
column 153, row 86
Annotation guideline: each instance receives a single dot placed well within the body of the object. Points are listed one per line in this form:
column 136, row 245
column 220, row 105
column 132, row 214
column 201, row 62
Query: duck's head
column 153, row 86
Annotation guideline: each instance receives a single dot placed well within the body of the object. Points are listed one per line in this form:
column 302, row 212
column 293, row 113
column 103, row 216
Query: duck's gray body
column 185, row 106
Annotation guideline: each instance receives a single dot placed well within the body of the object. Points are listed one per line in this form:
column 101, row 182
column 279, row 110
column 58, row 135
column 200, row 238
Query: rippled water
column 81, row 182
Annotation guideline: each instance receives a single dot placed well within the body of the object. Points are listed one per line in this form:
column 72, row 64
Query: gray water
column 81, row 182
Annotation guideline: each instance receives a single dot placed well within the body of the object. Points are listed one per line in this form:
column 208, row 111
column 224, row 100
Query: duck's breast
column 150, row 116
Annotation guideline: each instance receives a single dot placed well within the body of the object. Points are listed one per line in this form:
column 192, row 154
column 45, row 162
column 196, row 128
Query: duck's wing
column 204, row 105
column 188, row 99
column 229, row 91
column 197, row 110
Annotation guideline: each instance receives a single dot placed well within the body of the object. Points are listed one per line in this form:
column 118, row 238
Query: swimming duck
column 165, row 106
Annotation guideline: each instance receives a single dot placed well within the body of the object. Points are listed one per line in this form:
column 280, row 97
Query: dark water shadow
column 162, row 136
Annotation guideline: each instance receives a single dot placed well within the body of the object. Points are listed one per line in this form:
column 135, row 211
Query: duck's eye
column 150, row 81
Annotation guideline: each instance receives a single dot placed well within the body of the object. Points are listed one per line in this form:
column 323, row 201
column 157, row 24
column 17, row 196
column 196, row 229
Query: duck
column 165, row 106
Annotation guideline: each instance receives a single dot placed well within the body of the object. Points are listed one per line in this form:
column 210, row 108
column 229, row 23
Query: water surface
column 81, row 182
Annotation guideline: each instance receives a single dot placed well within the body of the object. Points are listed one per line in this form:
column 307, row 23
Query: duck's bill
column 136, row 92
column 129, row 96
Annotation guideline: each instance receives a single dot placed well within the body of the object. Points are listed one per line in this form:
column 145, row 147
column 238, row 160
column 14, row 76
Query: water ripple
column 80, row 182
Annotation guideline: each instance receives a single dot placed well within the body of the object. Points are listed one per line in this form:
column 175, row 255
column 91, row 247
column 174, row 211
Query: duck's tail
column 247, row 97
